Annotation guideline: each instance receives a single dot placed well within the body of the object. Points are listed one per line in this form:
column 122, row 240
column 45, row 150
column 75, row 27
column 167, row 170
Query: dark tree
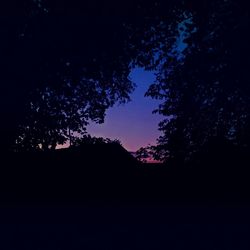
column 62, row 64
column 47, row 43
column 142, row 155
column 202, row 60
column 89, row 140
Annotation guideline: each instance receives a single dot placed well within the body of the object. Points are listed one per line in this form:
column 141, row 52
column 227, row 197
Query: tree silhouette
column 87, row 139
column 201, row 60
column 57, row 116
column 47, row 46
column 45, row 43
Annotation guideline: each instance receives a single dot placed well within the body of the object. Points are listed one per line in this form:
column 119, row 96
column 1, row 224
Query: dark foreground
column 127, row 226
column 79, row 200
column 111, row 174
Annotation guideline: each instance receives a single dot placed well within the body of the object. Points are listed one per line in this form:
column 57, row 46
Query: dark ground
column 127, row 226
column 77, row 200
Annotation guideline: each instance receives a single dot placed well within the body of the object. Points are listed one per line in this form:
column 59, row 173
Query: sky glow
column 132, row 123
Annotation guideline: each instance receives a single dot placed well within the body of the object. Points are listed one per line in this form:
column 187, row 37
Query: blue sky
column 132, row 123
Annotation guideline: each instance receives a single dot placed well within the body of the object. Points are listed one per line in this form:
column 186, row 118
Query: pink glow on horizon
column 133, row 123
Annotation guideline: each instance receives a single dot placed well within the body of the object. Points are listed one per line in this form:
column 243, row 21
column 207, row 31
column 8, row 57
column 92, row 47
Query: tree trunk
column 70, row 138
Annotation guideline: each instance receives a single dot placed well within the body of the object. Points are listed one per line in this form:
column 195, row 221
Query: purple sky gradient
column 132, row 123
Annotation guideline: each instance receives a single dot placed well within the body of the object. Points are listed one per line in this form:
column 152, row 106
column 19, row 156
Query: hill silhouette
column 97, row 195
column 84, row 172
column 94, row 172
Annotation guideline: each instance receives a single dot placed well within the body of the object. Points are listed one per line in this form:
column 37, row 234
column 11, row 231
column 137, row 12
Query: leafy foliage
column 201, row 61
column 142, row 154
column 199, row 50
column 89, row 140
column 59, row 115
column 61, row 67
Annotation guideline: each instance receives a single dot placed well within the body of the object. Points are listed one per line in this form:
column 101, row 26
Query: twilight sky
column 132, row 123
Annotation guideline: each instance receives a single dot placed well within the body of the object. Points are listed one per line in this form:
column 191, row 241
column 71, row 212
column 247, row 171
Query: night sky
column 132, row 123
